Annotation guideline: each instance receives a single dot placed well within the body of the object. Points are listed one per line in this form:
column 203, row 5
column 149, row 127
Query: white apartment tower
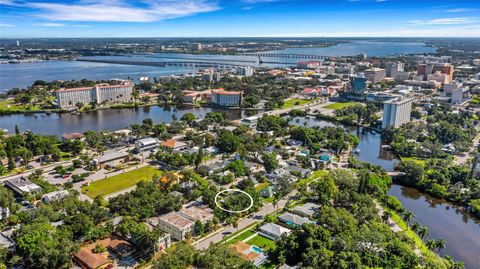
column 396, row 112
column 100, row 93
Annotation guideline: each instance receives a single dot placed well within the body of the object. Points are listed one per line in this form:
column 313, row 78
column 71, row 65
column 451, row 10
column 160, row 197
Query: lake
column 446, row 221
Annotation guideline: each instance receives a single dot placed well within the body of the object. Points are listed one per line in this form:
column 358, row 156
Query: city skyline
column 241, row 18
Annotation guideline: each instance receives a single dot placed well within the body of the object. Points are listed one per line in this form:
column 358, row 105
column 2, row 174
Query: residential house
column 293, row 219
column 73, row 136
column 174, row 144
column 273, row 231
column 306, row 210
column 54, row 196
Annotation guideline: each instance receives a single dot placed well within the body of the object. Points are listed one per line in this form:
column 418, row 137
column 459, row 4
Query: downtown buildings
column 98, row 94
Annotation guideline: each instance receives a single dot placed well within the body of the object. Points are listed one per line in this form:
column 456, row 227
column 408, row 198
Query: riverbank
column 444, row 221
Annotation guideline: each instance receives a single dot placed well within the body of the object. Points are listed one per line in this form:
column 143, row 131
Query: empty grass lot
column 338, row 106
column 296, row 102
column 119, row 182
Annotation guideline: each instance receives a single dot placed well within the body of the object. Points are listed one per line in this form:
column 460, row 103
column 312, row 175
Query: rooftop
column 176, row 219
column 308, row 209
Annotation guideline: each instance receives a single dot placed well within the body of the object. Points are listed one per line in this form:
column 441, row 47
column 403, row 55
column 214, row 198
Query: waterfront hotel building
column 98, row 94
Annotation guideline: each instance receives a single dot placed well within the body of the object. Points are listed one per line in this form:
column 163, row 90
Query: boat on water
column 356, row 151
column 387, row 147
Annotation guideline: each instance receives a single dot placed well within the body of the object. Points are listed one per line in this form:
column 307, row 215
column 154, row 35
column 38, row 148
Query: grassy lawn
column 415, row 160
column 119, row 182
column 295, row 102
column 262, row 186
column 10, row 105
column 310, row 179
column 338, row 106
column 262, row 242
column 241, row 237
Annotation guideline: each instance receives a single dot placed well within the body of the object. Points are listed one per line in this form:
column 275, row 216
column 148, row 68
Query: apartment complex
column 98, row 94
column 176, row 224
column 396, row 112
column 436, row 68
column 375, row 74
column 224, row 98
column 393, row 68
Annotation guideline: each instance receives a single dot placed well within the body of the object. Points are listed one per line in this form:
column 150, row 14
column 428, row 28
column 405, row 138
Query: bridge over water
column 288, row 56
column 164, row 64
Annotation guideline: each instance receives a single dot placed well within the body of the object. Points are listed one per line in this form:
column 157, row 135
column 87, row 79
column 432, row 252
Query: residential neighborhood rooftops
column 308, row 209
column 72, row 136
column 272, row 230
column 293, row 219
column 175, row 219
column 195, row 213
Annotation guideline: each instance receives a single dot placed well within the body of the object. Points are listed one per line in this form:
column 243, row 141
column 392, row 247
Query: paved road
column 253, row 218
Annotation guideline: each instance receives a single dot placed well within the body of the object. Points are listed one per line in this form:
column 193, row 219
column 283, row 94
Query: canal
column 449, row 222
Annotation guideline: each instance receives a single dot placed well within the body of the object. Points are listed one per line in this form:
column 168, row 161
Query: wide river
column 23, row 75
column 444, row 220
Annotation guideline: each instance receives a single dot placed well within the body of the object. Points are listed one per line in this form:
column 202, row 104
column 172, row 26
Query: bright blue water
column 256, row 249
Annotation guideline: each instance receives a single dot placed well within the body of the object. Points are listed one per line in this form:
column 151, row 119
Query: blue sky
column 239, row 18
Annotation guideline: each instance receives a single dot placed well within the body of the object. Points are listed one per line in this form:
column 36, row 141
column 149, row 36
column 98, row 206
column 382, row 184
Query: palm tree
column 415, row 227
column 440, row 244
column 423, row 232
column 431, row 244
column 386, row 216
column 408, row 216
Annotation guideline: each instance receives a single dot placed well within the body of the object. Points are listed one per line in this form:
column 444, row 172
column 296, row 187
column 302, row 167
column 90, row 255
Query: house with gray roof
column 21, row 185
column 293, row 219
column 306, row 210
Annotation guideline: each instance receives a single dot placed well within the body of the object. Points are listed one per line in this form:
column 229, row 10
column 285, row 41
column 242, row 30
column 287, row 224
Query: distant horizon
column 238, row 18
column 260, row 37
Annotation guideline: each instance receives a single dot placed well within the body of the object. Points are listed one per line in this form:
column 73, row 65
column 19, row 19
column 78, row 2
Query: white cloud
column 444, row 21
column 51, row 24
column 121, row 11
column 458, row 10
column 7, row 2
column 6, row 25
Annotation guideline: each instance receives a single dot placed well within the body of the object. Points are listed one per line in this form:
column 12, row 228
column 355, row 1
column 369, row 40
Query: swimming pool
column 256, row 249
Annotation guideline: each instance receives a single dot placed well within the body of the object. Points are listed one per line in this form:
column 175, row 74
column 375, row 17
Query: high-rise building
column 246, row 71
column 396, row 112
column 375, row 74
column 432, row 68
column 98, row 94
column 358, row 83
column 393, row 68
